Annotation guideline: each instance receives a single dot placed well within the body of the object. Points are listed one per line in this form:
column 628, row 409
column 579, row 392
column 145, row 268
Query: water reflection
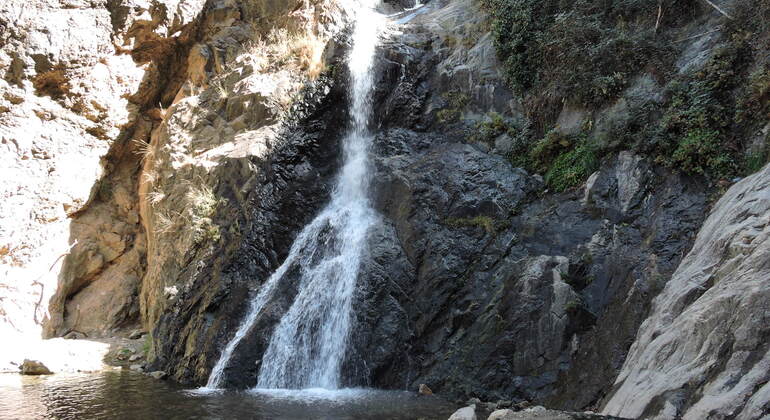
column 128, row 395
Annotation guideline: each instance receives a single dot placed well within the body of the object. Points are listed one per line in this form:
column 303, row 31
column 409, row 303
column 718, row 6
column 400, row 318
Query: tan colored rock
column 33, row 367
column 425, row 390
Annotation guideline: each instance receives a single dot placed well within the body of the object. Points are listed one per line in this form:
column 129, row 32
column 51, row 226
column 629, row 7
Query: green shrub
column 756, row 161
column 545, row 150
column 489, row 129
column 455, row 103
column 582, row 51
column 697, row 130
column 702, row 152
column 571, row 168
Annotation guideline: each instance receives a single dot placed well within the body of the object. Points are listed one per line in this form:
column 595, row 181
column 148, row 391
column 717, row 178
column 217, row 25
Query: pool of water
column 124, row 394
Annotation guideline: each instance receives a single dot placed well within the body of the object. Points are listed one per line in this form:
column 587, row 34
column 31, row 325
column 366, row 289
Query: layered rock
column 704, row 350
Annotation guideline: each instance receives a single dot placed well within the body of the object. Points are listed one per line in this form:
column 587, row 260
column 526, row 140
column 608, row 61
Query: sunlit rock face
column 703, row 351
column 65, row 99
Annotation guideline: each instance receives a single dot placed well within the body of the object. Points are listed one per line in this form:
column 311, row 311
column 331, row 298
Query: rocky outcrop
column 246, row 152
column 196, row 138
column 499, row 289
column 704, row 350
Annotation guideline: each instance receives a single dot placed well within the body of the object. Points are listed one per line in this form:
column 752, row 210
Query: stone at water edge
column 136, row 334
column 74, row 335
column 137, row 367
column 500, row 414
column 503, row 404
column 33, row 367
column 158, row 374
column 465, row 413
column 425, row 390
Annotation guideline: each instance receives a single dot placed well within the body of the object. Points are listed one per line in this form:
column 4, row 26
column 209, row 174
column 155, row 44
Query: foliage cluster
column 584, row 51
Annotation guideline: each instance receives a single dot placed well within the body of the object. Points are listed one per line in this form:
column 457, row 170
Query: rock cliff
column 545, row 244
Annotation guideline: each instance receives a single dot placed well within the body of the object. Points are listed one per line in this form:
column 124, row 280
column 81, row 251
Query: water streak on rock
column 308, row 345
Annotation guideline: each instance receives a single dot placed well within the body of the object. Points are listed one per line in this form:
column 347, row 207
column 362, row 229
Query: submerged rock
column 33, row 367
column 158, row 374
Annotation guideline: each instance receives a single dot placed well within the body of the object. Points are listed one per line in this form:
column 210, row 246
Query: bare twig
column 718, row 9
column 37, row 282
column 660, row 13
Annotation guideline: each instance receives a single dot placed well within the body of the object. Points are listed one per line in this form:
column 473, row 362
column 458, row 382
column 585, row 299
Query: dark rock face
column 478, row 284
column 477, row 281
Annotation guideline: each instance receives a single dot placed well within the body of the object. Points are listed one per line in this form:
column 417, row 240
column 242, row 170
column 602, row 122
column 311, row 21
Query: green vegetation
column 586, row 54
column 572, row 167
column 456, row 102
column 490, row 225
column 202, row 208
column 488, row 130
column 147, row 347
column 582, row 51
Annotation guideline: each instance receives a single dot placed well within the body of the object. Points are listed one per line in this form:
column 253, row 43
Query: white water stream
column 309, row 343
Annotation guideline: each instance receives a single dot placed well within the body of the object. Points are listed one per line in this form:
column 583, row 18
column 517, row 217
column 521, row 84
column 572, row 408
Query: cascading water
column 308, row 345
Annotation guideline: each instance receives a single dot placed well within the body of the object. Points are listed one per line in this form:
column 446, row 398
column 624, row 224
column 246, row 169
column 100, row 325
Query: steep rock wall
column 704, row 350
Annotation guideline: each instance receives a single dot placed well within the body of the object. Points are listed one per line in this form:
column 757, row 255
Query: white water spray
column 309, row 343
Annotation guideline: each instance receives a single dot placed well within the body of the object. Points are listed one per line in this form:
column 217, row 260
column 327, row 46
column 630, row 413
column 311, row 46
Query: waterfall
column 308, row 345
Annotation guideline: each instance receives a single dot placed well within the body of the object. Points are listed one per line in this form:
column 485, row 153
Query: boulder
column 75, row 335
column 158, row 374
column 33, row 367
column 465, row 413
column 500, row 414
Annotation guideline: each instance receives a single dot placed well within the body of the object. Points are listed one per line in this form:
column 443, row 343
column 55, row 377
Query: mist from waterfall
column 308, row 345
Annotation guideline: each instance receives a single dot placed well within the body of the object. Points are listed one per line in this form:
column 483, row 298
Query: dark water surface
column 130, row 395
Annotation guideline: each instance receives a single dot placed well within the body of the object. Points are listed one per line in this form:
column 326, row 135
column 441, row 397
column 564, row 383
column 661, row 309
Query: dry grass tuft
column 300, row 52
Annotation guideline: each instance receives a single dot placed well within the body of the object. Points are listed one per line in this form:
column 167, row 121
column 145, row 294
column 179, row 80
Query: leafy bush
column 701, row 152
column 455, row 103
column 571, row 168
column 582, row 51
column 488, row 130
column 697, row 131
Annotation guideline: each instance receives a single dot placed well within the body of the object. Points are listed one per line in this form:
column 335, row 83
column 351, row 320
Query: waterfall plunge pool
column 123, row 394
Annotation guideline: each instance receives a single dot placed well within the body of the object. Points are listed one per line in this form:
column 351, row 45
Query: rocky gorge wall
column 482, row 279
